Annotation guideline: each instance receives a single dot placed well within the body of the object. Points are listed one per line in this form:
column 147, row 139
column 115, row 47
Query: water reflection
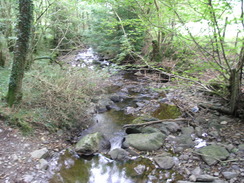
column 100, row 169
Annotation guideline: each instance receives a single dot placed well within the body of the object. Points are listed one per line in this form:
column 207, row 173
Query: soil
column 16, row 162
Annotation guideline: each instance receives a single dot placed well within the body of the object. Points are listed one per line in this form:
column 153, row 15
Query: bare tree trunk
column 21, row 49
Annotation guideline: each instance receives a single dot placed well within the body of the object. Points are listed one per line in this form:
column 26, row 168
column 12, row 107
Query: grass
column 53, row 98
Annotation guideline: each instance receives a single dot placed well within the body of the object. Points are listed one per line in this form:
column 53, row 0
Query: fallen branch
column 155, row 122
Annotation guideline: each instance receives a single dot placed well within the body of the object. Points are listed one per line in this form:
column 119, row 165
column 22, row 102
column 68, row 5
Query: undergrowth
column 56, row 98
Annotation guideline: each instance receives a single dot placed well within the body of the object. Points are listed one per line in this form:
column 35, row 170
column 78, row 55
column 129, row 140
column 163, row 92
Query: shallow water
column 99, row 168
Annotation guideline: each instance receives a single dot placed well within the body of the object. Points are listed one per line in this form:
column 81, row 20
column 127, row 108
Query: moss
column 166, row 111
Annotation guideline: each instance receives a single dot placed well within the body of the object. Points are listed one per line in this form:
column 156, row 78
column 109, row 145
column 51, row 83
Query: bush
column 60, row 98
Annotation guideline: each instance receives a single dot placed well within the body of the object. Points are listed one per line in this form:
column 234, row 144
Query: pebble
column 223, row 122
column 1, row 130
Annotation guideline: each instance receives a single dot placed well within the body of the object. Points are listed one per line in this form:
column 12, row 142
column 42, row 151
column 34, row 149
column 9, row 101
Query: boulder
column 119, row 154
column 211, row 154
column 91, row 144
column 149, row 129
column 145, row 142
column 166, row 162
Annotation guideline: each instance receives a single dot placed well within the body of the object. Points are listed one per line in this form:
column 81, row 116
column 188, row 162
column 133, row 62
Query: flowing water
column 69, row 168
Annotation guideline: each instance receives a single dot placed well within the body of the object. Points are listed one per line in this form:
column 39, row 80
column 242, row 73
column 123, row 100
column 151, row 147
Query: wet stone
column 118, row 154
column 91, row 144
column 145, row 142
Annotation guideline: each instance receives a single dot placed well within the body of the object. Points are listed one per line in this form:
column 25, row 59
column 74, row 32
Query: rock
column 43, row 164
column 115, row 98
column 28, row 178
column 219, row 181
column 118, row 154
column 198, row 131
column 170, row 126
column 205, row 178
column 230, row 175
column 182, row 181
column 223, row 122
column 184, row 141
column 187, row 130
column 193, row 178
column 130, row 110
column 143, row 119
column 140, row 169
column 104, row 105
column 41, row 153
column 211, row 154
column 164, row 130
column 197, row 171
column 139, row 104
column 91, row 144
column 145, row 142
column 165, row 162
column 1, row 130
column 14, row 157
column 230, row 147
column 149, row 129
column 241, row 147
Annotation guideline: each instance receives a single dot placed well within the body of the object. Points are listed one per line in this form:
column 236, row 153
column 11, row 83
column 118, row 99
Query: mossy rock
column 213, row 153
column 143, row 119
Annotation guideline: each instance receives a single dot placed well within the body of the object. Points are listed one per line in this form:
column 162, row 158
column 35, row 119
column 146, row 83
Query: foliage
column 115, row 31
column 54, row 98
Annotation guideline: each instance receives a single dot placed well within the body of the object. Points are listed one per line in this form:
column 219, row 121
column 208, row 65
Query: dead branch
column 155, row 122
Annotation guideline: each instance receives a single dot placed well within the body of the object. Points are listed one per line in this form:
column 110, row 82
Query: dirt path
column 17, row 165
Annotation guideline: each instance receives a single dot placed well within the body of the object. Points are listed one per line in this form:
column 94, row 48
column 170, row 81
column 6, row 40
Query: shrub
column 59, row 98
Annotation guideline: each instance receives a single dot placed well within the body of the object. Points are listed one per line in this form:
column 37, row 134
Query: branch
column 173, row 75
column 155, row 122
column 44, row 11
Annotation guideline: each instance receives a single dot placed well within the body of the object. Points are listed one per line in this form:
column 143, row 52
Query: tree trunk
column 234, row 90
column 21, row 49
column 2, row 61
column 235, row 83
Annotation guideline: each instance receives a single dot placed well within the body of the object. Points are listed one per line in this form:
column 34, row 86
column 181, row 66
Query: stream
column 99, row 168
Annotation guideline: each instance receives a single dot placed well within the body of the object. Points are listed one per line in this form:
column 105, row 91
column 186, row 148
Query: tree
column 21, row 49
